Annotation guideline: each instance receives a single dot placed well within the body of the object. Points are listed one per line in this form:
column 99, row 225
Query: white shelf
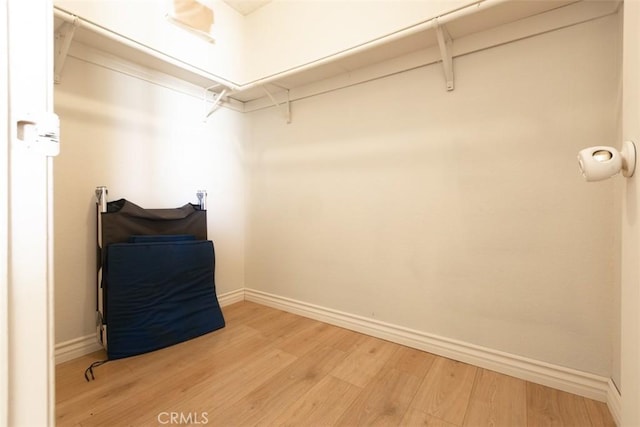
column 92, row 35
column 478, row 27
column 413, row 48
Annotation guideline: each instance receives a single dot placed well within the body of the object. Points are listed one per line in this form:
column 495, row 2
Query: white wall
column 459, row 214
column 147, row 144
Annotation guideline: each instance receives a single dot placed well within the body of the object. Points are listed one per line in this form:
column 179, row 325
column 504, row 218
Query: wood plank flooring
column 272, row 368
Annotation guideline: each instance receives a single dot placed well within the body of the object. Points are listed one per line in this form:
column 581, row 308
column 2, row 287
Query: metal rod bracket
column 62, row 44
column 285, row 106
column 217, row 100
column 445, row 43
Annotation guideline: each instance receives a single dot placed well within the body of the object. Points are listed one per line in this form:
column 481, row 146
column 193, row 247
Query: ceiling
column 245, row 7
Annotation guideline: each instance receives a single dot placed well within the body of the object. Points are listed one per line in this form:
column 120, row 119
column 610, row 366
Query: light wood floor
column 273, row 368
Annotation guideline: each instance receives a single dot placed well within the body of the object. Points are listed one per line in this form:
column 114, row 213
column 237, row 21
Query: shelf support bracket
column 284, row 106
column 217, row 100
column 63, row 43
column 446, row 52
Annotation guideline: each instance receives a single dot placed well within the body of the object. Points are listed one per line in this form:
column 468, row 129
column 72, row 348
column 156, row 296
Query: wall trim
column 614, row 402
column 559, row 377
column 81, row 346
column 76, row 347
column 231, row 297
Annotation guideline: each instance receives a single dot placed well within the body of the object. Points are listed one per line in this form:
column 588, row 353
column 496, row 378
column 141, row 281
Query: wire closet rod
column 151, row 81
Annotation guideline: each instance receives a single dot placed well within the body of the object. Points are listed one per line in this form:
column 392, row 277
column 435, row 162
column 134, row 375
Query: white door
column 630, row 301
column 25, row 217
column 4, row 210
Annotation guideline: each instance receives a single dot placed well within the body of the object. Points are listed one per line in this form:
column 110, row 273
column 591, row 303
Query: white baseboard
column 232, row 297
column 78, row 347
column 558, row 377
column 614, row 402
